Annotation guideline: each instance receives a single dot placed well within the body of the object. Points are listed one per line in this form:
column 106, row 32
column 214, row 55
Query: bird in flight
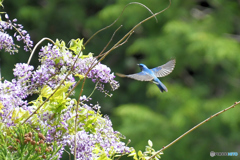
column 147, row 74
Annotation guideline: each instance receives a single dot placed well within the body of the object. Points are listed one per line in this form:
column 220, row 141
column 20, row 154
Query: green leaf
column 76, row 46
column 150, row 143
column 140, row 154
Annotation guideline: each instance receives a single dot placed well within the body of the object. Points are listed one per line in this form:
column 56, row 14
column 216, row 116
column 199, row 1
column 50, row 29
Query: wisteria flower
column 6, row 41
column 57, row 115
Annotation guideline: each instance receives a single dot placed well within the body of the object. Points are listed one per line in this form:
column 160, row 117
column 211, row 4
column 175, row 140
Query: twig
column 109, row 41
column 73, row 88
column 117, row 20
column 144, row 7
column 130, row 32
column 35, row 47
column 69, row 154
column 91, row 92
column 126, row 36
column 195, row 127
column 104, row 28
column 125, row 41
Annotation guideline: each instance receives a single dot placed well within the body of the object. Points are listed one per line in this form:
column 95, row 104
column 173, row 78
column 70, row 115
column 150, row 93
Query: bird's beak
column 138, row 64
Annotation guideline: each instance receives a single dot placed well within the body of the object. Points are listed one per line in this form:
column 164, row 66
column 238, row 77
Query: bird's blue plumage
column 147, row 74
column 155, row 80
column 160, row 85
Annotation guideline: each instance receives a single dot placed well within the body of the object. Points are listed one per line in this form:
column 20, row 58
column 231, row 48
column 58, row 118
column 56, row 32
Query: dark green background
column 203, row 36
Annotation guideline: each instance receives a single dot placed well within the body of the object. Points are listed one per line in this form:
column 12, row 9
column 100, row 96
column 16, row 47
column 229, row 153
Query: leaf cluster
column 22, row 142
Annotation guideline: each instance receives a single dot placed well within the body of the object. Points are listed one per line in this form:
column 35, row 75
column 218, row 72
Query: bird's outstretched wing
column 165, row 69
column 141, row 76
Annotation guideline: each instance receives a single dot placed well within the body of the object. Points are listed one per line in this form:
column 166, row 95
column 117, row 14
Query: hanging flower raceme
column 6, row 41
column 57, row 116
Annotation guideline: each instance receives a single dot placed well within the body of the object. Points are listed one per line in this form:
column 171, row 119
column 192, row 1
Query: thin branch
column 73, row 88
column 144, row 7
column 69, row 154
column 104, row 28
column 121, row 26
column 35, row 47
column 125, row 41
column 126, row 36
column 130, row 32
column 118, row 19
column 91, row 92
column 109, row 41
column 195, row 127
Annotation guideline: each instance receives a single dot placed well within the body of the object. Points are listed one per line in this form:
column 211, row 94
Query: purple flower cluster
column 12, row 97
column 54, row 61
column 94, row 132
column 14, row 93
column 108, row 139
column 85, row 144
column 23, row 72
column 100, row 73
column 104, row 141
column 91, row 144
column 6, row 41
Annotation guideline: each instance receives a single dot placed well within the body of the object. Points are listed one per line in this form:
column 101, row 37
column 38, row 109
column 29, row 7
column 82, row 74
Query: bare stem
column 118, row 19
column 144, row 7
column 195, row 127
column 69, row 154
column 129, row 33
column 73, row 88
column 35, row 47
column 125, row 41
column 109, row 41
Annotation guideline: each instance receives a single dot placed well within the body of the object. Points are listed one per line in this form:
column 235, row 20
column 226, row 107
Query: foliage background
column 204, row 38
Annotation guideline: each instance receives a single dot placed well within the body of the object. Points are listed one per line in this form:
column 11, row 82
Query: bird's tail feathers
column 162, row 87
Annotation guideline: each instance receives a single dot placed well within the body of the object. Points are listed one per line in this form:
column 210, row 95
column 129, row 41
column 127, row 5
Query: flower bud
column 40, row 135
column 33, row 142
column 41, row 141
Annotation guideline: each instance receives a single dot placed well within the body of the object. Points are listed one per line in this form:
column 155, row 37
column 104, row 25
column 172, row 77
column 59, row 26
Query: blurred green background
column 203, row 36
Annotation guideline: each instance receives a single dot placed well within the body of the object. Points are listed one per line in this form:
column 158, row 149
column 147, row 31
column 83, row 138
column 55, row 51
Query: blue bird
column 147, row 74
